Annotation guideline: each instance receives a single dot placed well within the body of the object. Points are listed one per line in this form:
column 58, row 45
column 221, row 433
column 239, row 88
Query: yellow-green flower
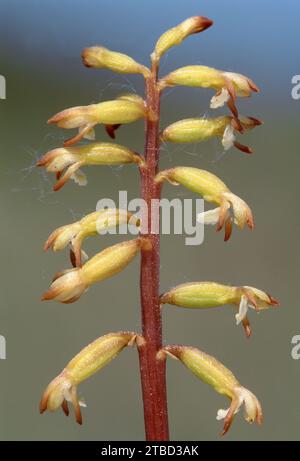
column 67, row 161
column 228, row 85
column 212, row 190
column 204, row 295
column 63, row 388
column 202, row 129
column 177, row 34
column 92, row 224
column 118, row 111
column 69, row 285
column 222, row 380
column 100, row 57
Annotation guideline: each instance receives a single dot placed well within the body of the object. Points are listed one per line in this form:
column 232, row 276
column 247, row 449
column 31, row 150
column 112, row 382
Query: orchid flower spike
column 92, row 224
column 202, row 129
column 204, row 295
column 92, row 358
column 222, row 380
column 124, row 109
column 212, row 190
column 67, row 161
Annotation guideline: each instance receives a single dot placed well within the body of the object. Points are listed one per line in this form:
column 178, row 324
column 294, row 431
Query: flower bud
column 69, row 285
column 228, row 85
column 100, row 57
column 210, row 294
column 213, row 190
column 90, row 360
column 92, row 224
column 222, row 380
column 202, row 129
column 72, row 158
column 84, row 118
column 177, row 34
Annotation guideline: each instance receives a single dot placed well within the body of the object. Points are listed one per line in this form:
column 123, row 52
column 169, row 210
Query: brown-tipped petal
column 259, row 416
column 256, row 121
column 65, row 178
column 250, row 220
column 65, row 407
column 48, row 157
column 252, row 85
column 73, row 258
column 42, row 161
column 49, row 242
column 79, row 136
column 72, row 300
column 205, row 23
column 252, row 299
column 222, row 215
column 247, row 327
column 243, row 148
column 49, row 294
column 231, row 102
column 228, row 229
column 230, row 88
column 57, row 117
column 43, row 403
column 230, row 415
column 232, row 107
column 237, row 125
column 273, row 301
column 76, row 252
column 76, row 405
column 58, row 175
column 111, row 129
column 60, row 274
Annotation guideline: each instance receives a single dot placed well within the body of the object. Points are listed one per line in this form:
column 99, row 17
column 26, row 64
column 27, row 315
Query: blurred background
column 40, row 46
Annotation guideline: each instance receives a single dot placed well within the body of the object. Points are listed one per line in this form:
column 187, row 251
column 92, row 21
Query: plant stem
column 152, row 370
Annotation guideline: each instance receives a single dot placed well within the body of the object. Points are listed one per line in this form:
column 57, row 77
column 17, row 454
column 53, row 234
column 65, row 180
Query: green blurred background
column 40, row 46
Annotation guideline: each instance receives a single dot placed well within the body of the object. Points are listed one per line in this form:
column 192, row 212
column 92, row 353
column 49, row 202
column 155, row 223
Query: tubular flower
column 100, row 57
column 211, row 294
column 63, row 388
column 117, row 111
column 177, row 34
column 69, row 285
column 212, row 190
column 202, row 129
column 72, row 158
column 228, row 85
column 214, row 373
column 92, row 224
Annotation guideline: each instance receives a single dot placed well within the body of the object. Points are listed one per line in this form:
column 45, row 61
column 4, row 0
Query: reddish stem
column 152, row 370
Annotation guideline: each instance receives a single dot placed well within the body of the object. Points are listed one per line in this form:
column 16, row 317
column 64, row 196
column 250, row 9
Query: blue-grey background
column 40, row 46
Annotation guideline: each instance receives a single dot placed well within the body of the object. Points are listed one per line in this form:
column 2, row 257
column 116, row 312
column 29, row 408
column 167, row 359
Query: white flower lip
column 243, row 309
column 228, row 137
column 219, row 99
column 209, row 217
column 79, row 178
